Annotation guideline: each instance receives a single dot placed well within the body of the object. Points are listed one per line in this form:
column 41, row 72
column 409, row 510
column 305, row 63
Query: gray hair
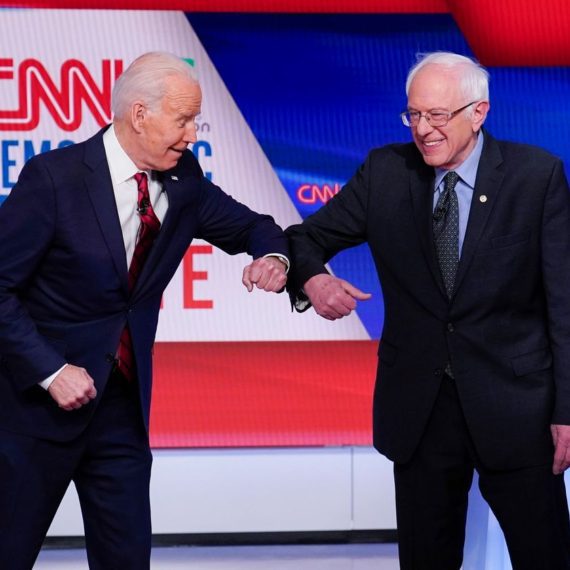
column 474, row 78
column 144, row 80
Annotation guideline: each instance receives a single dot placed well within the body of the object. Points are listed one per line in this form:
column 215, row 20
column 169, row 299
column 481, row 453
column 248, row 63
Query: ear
column 480, row 111
column 138, row 115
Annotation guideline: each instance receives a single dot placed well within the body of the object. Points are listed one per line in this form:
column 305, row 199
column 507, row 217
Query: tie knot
column 142, row 181
column 450, row 180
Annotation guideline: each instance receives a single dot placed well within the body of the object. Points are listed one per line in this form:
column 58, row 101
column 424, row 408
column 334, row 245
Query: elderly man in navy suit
column 91, row 236
column 471, row 241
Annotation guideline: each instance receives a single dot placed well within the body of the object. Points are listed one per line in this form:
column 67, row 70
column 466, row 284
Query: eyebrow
column 412, row 109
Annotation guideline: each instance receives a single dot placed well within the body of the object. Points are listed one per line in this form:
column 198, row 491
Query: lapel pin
column 482, row 198
column 174, row 178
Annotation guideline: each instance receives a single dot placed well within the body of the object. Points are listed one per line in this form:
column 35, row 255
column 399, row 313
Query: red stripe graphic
column 506, row 33
column 299, row 6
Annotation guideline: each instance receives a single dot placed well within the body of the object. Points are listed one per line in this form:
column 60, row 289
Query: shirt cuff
column 45, row 384
column 281, row 258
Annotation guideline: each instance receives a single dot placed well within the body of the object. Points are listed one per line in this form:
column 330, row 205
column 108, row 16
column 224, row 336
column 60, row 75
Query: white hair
column 144, row 80
column 474, row 78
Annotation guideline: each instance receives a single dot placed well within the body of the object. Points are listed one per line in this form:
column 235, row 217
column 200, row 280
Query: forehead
column 434, row 86
column 182, row 93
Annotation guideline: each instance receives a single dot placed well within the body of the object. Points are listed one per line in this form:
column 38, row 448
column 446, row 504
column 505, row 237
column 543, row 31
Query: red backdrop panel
column 222, row 394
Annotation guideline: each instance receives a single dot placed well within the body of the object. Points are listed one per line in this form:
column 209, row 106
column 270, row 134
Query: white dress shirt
column 122, row 170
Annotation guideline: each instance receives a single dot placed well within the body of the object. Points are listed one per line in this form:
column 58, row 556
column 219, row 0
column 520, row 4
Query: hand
column 267, row 273
column 72, row 388
column 333, row 298
column 561, row 439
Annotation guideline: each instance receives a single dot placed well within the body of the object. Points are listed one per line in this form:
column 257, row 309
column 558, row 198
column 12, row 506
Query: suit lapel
column 421, row 190
column 100, row 189
column 487, row 185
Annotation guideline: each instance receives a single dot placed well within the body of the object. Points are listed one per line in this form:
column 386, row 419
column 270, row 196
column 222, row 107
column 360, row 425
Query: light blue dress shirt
column 467, row 172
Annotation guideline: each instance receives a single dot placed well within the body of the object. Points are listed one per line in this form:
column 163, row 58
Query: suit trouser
column 109, row 463
column 431, row 500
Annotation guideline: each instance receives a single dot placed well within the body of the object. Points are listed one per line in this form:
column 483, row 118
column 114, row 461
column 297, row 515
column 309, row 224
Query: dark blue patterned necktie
column 446, row 231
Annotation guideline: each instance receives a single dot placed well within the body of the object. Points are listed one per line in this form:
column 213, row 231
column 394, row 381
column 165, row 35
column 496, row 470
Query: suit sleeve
column 234, row 228
column 556, row 276
column 27, row 222
column 338, row 225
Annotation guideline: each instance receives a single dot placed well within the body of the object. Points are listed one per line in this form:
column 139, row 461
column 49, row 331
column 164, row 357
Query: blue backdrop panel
column 319, row 91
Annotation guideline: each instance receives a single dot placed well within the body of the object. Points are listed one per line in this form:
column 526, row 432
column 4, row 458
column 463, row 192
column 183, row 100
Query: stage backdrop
column 292, row 103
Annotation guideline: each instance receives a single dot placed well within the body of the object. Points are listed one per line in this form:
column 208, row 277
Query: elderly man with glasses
column 471, row 240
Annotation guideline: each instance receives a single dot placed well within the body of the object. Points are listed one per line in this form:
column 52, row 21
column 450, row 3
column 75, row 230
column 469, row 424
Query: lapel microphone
column 441, row 207
column 439, row 213
column 143, row 206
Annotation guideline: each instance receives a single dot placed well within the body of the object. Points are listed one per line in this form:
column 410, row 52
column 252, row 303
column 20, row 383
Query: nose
column 190, row 132
column 423, row 126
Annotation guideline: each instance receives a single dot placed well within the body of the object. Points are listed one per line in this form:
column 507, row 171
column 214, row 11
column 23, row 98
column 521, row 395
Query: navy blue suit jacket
column 63, row 276
column 506, row 330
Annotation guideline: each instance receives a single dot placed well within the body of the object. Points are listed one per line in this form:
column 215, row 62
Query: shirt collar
column 121, row 167
column 467, row 170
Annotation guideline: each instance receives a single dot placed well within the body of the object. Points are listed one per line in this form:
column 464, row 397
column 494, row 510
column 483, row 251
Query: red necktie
column 148, row 230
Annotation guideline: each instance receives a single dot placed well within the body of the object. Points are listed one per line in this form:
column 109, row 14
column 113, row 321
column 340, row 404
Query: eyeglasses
column 434, row 118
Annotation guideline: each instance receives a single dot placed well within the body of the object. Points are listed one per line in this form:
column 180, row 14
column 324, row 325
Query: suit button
column 450, row 327
column 110, row 357
column 438, row 372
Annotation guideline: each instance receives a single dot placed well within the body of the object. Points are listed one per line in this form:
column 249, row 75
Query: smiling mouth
column 430, row 144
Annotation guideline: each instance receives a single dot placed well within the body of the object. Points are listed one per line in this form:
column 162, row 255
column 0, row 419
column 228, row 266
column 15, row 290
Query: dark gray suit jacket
column 506, row 331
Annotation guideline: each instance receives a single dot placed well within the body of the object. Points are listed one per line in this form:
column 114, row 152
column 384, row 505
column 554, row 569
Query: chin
column 170, row 163
column 433, row 161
